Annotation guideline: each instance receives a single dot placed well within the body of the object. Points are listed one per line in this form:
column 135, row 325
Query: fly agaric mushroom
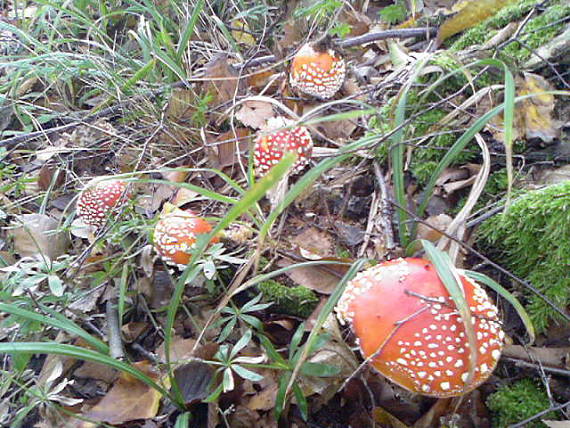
column 276, row 140
column 176, row 232
column 407, row 324
column 100, row 198
column 317, row 70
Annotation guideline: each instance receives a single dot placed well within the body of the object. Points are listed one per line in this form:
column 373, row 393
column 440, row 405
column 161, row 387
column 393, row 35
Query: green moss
column 395, row 13
column 517, row 402
column 532, row 239
column 426, row 157
column 297, row 301
column 488, row 28
column 536, row 32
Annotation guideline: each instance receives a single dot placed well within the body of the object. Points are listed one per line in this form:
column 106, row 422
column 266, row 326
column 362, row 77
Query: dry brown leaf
column 312, row 277
column 313, row 243
column 439, row 224
column 472, row 13
column 154, row 195
column 254, row 113
column 226, row 146
column 181, row 105
column 533, row 116
column 537, row 111
column 359, row 22
column 224, row 81
column 36, row 234
column 128, row 399
column 180, row 349
column 92, row 370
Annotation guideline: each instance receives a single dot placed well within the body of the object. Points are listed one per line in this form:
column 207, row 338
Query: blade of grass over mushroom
column 81, row 354
column 450, row 278
column 247, row 201
column 56, row 320
column 509, row 297
column 323, row 315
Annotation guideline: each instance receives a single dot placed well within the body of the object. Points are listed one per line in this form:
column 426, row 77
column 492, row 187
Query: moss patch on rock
column 297, row 301
column 517, row 402
column 532, row 239
column 537, row 31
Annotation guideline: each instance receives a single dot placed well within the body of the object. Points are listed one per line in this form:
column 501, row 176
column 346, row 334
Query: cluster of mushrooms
column 404, row 319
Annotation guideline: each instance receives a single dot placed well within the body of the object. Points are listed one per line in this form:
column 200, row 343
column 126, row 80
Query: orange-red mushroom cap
column 175, row 235
column 276, row 139
column 317, row 73
column 100, row 198
column 408, row 326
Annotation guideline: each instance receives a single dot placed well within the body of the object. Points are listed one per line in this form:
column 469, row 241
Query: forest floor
column 439, row 126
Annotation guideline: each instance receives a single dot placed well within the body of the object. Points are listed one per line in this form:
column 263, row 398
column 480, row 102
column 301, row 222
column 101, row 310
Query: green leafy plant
column 230, row 363
column 233, row 315
column 294, row 362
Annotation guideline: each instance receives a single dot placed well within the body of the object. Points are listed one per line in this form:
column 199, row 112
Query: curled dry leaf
column 37, row 234
column 254, row 113
column 533, row 115
column 128, row 399
column 536, row 112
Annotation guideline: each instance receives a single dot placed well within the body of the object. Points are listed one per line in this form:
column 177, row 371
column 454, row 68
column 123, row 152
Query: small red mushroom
column 317, row 70
column 176, row 232
column 276, row 140
column 407, row 324
column 100, row 198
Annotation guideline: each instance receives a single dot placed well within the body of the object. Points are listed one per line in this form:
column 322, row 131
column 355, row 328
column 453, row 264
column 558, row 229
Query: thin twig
column 116, row 349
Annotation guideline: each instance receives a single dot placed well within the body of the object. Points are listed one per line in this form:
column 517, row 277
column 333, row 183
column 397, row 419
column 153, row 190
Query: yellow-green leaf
column 471, row 14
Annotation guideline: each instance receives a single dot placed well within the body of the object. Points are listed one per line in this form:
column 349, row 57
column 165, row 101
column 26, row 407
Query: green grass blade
column 58, row 321
column 189, row 30
column 525, row 318
column 81, row 354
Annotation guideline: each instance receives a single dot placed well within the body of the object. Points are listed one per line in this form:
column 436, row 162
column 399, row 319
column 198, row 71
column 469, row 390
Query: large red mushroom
column 409, row 328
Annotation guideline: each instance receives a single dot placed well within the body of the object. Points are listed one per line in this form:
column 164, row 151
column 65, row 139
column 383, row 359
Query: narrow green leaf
column 319, row 369
column 59, row 322
column 247, row 374
column 450, row 278
column 81, row 354
column 484, row 279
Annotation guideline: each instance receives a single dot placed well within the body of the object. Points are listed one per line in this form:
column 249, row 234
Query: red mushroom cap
column 408, row 325
column 175, row 234
column 272, row 143
column 319, row 73
column 100, row 198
